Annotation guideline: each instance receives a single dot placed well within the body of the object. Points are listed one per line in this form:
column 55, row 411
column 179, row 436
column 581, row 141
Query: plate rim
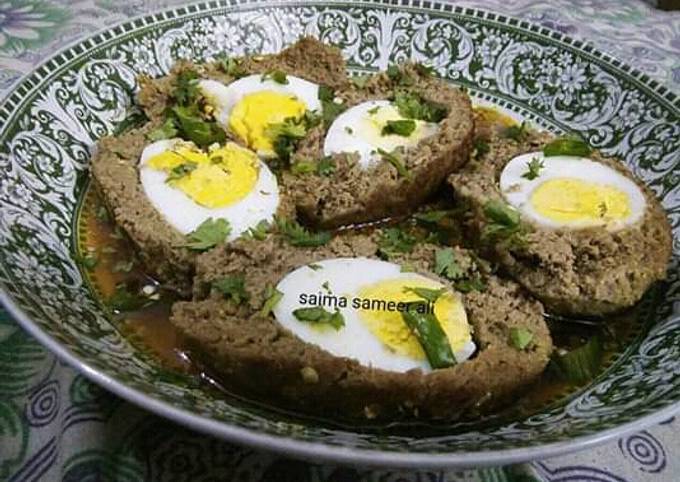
column 302, row 449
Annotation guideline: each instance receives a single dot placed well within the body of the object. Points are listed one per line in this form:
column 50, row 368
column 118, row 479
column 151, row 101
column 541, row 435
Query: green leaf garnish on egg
column 413, row 106
column 277, row 76
column 534, row 167
column 319, row 315
column 208, row 234
column 402, row 127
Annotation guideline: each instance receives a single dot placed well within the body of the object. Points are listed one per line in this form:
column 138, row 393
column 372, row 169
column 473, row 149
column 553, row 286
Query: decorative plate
column 53, row 118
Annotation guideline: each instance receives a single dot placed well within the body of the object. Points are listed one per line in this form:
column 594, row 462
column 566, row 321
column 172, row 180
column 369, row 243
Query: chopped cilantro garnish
column 445, row 264
column 208, row 234
column 394, row 241
column 319, row 315
column 396, row 75
column 373, row 110
column 229, row 65
column 520, row 338
column 165, row 131
column 326, row 93
column 349, row 130
column 89, row 260
column 424, row 70
column 517, row 132
column 413, row 106
column 431, row 217
column 427, row 294
column 232, row 287
column 570, row 145
column 260, row 230
column 481, row 147
column 314, row 266
column 276, row 75
column 297, row 235
column 194, row 128
column 302, row 167
column 272, row 297
column 181, row 170
column 124, row 299
column 186, row 87
column 286, row 134
column 325, row 166
column 402, row 127
column 534, row 166
column 502, row 220
column 393, row 159
column 359, row 81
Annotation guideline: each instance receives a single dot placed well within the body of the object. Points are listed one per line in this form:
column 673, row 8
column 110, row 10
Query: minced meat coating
column 308, row 59
column 253, row 354
column 351, row 194
column 573, row 272
column 115, row 171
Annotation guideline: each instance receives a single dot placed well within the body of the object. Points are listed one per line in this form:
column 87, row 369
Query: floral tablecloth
column 55, row 425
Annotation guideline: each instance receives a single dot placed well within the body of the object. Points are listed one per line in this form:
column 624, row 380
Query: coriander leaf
column 394, row 240
column 277, row 76
column 402, row 127
column 326, row 94
column 258, row 232
column 181, row 170
column 208, row 234
column 272, row 298
column 167, row 131
column 330, row 110
column 445, row 264
column 481, row 147
column 534, row 167
column 349, row 130
column 297, row 235
column 373, row 110
column 186, row 87
column 229, row 65
column 517, row 132
column 393, row 159
column 89, row 260
column 232, row 287
column 424, row 70
column 502, row 220
column 123, row 299
column 286, row 134
column 413, row 106
column 571, row 145
column 192, row 127
column 520, row 338
column 396, row 75
column 427, row 294
column 319, row 315
column 302, row 167
column 314, row 266
column 431, row 217
column 325, row 166
column 470, row 284
column 359, row 81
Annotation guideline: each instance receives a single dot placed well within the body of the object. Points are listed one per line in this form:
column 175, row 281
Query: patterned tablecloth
column 73, row 430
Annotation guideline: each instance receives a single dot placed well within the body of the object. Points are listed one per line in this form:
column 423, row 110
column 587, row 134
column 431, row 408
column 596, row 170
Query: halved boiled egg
column 248, row 106
column 188, row 185
column 362, row 129
column 571, row 192
column 370, row 295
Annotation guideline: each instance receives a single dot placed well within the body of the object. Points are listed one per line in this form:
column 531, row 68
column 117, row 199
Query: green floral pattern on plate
column 53, row 118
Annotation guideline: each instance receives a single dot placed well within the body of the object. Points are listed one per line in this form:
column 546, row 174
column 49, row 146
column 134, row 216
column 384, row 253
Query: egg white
column 185, row 215
column 346, row 134
column 223, row 97
column 517, row 190
column 345, row 277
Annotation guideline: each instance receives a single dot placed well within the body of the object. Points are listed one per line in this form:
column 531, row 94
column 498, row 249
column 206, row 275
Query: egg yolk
column 254, row 113
column 389, row 326
column 370, row 129
column 216, row 179
column 571, row 200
